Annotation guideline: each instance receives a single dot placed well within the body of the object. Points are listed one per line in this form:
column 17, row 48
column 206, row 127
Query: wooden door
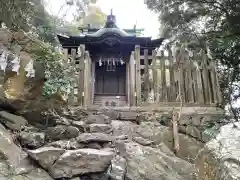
column 110, row 82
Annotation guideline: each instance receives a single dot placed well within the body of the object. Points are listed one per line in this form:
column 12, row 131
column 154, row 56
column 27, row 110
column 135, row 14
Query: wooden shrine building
column 113, row 69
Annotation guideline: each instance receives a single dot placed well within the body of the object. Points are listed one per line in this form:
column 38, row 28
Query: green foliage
column 211, row 132
column 54, row 69
column 95, row 17
column 207, row 24
column 17, row 13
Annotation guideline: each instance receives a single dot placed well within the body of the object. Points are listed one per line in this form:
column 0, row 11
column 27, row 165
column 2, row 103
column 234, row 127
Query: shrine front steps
column 194, row 121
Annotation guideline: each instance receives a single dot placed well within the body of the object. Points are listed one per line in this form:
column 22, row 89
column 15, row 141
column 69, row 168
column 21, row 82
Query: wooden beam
column 146, row 75
column 138, row 75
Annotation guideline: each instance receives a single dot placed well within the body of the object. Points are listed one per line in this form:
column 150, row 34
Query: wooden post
column 81, row 75
column 199, row 85
column 155, row 74
column 215, row 84
column 146, row 75
column 175, row 120
column 73, row 56
column 190, row 81
column 172, row 95
column 90, row 82
column 71, row 97
column 219, row 94
column 128, row 83
column 93, row 80
column 86, row 92
column 138, row 75
column 181, row 82
column 132, row 80
column 66, row 66
column 163, row 92
column 65, row 57
column 207, row 93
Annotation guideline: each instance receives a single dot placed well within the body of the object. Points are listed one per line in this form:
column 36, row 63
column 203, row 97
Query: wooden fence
column 191, row 79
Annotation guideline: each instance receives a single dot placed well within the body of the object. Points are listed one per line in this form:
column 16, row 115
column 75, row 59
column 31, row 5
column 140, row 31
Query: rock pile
column 220, row 158
column 91, row 147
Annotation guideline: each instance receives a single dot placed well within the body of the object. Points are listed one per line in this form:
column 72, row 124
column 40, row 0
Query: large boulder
column 61, row 132
column 124, row 128
column 150, row 163
column 98, row 119
column 188, row 147
column 100, row 128
column 81, row 161
column 220, row 158
column 12, row 121
column 46, row 156
column 69, row 144
column 32, row 139
column 117, row 169
column 14, row 162
column 94, row 137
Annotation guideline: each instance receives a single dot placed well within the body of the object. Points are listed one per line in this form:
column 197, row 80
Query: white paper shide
column 29, row 69
column 3, row 61
column 16, row 64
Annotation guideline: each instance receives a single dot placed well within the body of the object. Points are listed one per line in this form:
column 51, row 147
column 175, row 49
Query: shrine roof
column 110, row 35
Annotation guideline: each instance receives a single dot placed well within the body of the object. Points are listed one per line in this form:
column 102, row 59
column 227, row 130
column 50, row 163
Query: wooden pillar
column 207, row 94
column 93, row 80
column 90, row 81
column 87, row 80
column 81, row 75
column 66, row 66
column 190, row 81
column 138, row 75
column 217, row 98
column 65, row 57
column 219, row 94
column 199, row 85
column 172, row 92
column 155, row 75
column 146, row 75
column 71, row 96
column 132, row 80
column 163, row 92
column 128, row 83
column 181, row 83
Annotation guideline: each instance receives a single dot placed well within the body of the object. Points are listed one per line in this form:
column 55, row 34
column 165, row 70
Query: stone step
column 110, row 101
